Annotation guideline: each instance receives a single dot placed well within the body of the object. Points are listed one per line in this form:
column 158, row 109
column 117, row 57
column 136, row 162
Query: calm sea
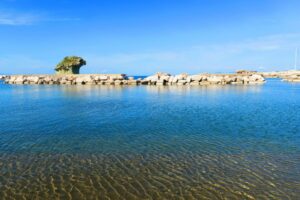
column 149, row 142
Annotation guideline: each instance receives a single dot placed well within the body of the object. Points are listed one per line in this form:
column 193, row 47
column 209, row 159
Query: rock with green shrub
column 70, row 65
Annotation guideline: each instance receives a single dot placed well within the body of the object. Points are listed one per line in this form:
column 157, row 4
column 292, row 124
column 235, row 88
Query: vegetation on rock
column 70, row 65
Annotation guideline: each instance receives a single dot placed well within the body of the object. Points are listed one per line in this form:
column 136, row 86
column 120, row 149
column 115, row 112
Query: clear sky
column 141, row 37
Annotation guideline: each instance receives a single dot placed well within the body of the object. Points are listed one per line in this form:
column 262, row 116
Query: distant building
column 245, row 72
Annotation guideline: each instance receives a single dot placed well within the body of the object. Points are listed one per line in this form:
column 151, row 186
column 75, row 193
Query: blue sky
column 141, row 37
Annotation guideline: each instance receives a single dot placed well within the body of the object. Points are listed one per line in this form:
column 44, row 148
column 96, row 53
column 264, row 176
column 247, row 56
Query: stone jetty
column 279, row 74
column 294, row 77
column 290, row 75
column 122, row 79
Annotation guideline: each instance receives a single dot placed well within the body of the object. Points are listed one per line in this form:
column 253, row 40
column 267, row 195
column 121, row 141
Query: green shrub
column 70, row 65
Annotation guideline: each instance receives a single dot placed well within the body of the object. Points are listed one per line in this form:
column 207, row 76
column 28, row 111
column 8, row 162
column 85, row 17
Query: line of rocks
column 83, row 79
column 292, row 78
column 280, row 74
column 122, row 79
column 202, row 79
column 289, row 75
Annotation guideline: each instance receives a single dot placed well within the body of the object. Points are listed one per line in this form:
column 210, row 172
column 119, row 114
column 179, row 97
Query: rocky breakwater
column 122, row 79
column 202, row 79
column 292, row 77
column 280, row 74
column 88, row 79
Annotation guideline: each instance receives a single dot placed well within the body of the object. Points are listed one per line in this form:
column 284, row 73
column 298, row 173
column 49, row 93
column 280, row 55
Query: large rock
column 20, row 80
column 181, row 76
column 103, row 78
column 215, row 79
column 117, row 77
column 204, row 83
column 160, row 82
column 33, row 79
column 174, row 80
column 144, row 82
column 256, row 78
column 195, row 83
column 246, row 79
column 48, row 79
column 196, row 77
column 181, row 82
column 229, row 79
column 83, row 80
column 164, row 78
column 132, row 82
column 152, row 79
column 70, row 65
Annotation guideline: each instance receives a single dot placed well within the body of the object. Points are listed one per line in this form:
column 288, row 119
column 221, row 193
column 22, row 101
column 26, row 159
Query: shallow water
column 149, row 142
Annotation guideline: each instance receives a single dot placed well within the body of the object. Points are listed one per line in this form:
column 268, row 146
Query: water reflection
column 104, row 90
column 205, row 89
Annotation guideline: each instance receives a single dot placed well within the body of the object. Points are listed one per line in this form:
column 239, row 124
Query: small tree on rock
column 70, row 65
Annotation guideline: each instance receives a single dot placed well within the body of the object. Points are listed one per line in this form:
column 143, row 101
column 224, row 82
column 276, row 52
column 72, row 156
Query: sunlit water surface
column 149, row 142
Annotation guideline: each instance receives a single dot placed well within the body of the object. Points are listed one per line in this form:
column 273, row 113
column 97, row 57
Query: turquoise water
column 150, row 142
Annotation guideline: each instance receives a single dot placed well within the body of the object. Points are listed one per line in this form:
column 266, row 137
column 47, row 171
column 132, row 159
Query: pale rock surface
column 215, row 79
